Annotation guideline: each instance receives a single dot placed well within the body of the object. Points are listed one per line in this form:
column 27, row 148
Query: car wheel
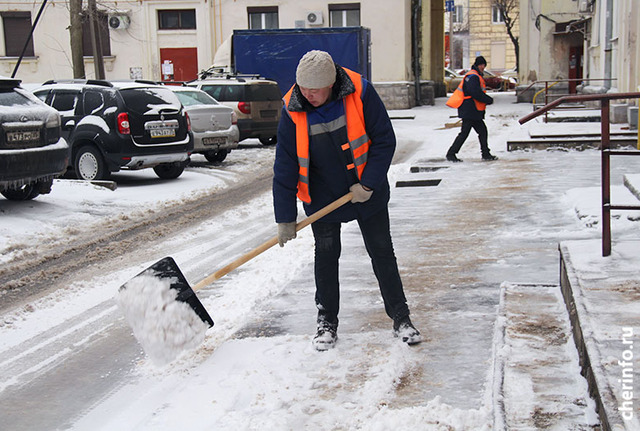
column 216, row 156
column 269, row 141
column 24, row 193
column 169, row 171
column 89, row 164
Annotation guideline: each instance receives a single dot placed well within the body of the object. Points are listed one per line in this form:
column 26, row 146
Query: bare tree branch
column 510, row 13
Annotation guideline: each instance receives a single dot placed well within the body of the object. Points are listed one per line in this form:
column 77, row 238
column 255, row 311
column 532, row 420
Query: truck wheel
column 24, row 193
column 216, row 156
column 89, row 164
column 271, row 140
column 169, row 171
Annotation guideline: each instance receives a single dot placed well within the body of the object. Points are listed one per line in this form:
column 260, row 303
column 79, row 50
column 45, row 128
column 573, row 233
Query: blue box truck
column 274, row 54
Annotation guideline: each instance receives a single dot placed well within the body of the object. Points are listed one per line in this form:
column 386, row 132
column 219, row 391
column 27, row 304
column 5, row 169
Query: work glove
column 286, row 231
column 359, row 193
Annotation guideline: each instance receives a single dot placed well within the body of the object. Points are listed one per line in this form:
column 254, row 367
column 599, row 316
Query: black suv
column 32, row 153
column 114, row 125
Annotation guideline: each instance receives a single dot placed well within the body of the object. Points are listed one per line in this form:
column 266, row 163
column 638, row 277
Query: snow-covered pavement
column 465, row 247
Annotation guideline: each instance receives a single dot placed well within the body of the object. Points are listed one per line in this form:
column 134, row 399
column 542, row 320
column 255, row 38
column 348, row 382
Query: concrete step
column 568, row 115
column 537, row 382
column 554, row 134
column 601, row 294
column 632, row 182
column 575, row 142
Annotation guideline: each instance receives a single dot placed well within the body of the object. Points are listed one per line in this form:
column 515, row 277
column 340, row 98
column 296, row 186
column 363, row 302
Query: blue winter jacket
column 329, row 178
column 471, row 87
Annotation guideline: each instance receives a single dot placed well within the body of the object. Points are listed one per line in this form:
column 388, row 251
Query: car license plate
column 213, row 141
column 269, row 113
column 24, row 135
column 162, row 133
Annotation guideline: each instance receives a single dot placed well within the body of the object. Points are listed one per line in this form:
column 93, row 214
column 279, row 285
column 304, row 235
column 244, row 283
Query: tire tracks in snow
column 101, row 246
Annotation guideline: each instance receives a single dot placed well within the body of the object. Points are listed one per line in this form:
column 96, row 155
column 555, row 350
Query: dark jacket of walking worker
column 334, row 137
column 471, row 99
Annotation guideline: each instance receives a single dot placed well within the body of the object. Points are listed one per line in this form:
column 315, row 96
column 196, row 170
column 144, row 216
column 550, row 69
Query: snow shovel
column 154, row 300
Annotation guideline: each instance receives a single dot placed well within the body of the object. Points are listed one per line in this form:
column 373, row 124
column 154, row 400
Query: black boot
column 489, row 157
column 452, row 158
column 326, row 336
column 404, row 329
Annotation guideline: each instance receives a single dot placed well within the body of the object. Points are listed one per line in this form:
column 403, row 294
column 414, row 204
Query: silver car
column 214, row 126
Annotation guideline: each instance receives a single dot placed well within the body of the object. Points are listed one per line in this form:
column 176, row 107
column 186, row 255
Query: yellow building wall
column 483, row 33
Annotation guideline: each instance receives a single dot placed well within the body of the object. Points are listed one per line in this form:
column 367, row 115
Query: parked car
column 214, row 126
column 494, row 81
column 32, row 152
column 451, row 79
column 113, row 125
column 511, row 75
column 256, row 101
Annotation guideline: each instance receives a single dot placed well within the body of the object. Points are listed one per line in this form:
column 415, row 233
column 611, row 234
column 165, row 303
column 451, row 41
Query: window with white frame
column 496, row 15
column 263, row 17
column 344, row 15
column 457, row 14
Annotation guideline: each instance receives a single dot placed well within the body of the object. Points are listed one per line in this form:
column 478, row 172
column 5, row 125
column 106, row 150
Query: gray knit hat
column 316, row 69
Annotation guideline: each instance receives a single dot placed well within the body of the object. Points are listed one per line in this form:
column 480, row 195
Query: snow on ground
column 274, row 382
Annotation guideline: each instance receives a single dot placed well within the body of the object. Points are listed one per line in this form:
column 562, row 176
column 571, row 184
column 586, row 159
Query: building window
column 177, row 19
column 263, row 17
column 457, row 14
column 17, row 27
column 496, row 15
column 344, row 15
column 102, row 28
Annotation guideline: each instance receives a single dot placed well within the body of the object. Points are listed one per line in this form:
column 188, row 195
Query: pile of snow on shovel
column 164, row 326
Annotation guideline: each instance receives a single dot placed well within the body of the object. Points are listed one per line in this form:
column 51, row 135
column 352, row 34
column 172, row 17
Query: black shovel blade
column 168, row 268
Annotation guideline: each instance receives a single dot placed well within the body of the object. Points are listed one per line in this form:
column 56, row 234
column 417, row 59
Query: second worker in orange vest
column 471, row 100
column 335, row 136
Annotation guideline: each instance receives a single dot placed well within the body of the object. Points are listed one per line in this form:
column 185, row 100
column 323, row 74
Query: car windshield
column 189, row 98
column 10, row 97
column 150, row 100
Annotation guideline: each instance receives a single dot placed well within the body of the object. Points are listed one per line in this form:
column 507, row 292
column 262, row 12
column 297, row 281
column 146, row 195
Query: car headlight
column 53, row 120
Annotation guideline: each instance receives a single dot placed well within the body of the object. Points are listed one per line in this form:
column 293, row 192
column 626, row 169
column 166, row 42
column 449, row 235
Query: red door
column 179, row 64
column 575, row 67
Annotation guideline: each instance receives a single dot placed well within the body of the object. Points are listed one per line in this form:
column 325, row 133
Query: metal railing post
column 546, row 100
column 606, row 177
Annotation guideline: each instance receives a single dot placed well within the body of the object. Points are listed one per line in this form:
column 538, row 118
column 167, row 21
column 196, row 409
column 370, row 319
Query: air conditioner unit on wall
column 119, row 21
column 314, row 18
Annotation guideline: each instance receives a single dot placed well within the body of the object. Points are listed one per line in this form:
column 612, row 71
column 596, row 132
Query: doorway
column 179, row 64
column 575, row 67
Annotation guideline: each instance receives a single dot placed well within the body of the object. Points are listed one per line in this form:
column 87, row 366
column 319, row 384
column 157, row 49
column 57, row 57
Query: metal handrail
column 605, row 151
column 554, row 82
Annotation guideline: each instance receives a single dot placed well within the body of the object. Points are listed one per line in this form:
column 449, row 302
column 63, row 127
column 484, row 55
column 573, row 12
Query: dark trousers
column 377, row 238
column 467, row 125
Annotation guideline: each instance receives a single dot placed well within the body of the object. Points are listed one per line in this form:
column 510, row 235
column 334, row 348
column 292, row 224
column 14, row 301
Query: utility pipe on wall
column 608, row 45
column 417, row 9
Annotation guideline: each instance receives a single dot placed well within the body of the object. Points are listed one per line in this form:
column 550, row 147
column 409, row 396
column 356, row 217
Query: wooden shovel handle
column 273, row 241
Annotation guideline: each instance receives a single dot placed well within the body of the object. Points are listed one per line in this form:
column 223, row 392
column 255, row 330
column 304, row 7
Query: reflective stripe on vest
column 458, row 96
column 358, row 143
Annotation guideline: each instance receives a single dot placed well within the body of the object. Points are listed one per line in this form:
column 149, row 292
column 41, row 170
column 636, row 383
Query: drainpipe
column 608, row 44
column 417, row 8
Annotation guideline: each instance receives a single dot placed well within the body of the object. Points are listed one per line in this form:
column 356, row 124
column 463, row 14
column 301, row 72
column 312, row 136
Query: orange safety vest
column 458, row 96
column 358, row 144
